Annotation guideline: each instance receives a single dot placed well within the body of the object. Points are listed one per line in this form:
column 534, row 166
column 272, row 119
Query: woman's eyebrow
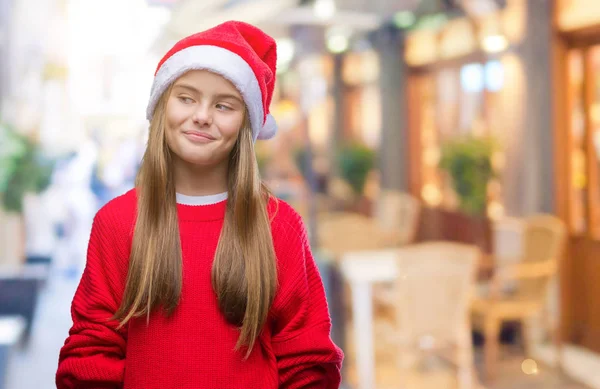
column 188, row 87
column 229, row 96
column 218, row 96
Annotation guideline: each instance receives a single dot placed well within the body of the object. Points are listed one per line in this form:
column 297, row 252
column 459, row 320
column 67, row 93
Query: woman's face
column 204, row 115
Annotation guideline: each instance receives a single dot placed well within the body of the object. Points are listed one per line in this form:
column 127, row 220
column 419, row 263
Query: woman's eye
column 222, row 107
column 185, row 100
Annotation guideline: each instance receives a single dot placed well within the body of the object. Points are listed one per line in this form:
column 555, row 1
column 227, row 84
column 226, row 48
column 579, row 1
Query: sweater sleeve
column 306, row 356
column 93, row 355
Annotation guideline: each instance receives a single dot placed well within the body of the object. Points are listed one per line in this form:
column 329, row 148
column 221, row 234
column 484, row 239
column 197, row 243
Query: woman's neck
column 193, row 180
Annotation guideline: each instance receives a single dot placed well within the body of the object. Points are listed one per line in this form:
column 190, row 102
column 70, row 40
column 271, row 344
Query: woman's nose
column 202, row 115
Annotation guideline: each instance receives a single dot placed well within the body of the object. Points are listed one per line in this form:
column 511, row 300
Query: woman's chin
column 200, row 161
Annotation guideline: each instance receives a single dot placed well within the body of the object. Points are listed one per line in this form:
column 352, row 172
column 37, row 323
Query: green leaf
column 468, row 162
column 23, row 168
column 355, row 162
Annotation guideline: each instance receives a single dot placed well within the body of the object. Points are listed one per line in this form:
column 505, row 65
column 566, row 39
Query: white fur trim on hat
column 221, row 61
column 269, row 129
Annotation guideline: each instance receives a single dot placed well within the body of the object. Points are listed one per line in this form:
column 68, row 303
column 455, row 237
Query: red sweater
column 194, row 348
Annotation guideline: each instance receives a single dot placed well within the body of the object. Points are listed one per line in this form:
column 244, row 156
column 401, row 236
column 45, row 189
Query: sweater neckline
column 201, row 208
column 200, row 200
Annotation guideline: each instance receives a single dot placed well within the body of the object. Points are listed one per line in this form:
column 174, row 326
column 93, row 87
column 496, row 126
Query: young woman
column 199, row 278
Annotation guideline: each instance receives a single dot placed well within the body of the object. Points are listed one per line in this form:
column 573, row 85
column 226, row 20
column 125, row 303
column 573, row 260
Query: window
column 452, row 102
column 584, row 140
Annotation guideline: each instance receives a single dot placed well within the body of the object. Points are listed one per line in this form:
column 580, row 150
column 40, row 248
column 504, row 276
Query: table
column 361, row 270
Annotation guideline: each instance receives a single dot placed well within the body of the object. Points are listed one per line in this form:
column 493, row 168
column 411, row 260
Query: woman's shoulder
column 111, row 237
column 118, row 215
column 283, row 215
column 288, row 229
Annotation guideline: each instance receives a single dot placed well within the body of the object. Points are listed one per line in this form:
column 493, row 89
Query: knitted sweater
column 194, row 347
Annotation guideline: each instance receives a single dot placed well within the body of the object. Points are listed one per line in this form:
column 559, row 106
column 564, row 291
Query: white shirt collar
column 201, row 200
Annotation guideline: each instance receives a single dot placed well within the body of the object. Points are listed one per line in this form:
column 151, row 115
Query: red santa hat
column 238, row 51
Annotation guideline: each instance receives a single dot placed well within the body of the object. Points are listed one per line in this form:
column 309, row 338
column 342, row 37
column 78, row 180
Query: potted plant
column 23, row 169
column 468, row 162
column 355, row 161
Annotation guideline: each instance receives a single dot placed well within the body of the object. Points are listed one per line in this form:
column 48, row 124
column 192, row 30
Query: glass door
column 584, row 140
column 593, row 138
column 578, row 181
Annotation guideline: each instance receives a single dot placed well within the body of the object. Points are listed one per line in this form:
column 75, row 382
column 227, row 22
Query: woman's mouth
column 198, row 136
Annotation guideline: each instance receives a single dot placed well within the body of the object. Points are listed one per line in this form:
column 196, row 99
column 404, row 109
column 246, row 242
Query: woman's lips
column 198, row 136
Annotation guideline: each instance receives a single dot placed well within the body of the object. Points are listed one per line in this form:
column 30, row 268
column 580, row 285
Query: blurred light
column 431, row 194
column 338, row 39
column 494, row 76
column 404, row 19
column 471, row 77
column 595, row 113
column 529, row 367
column 337, row 44
column 285, row 53
column 431, row 156
column 324, row 9
column 495, row 210
column 494, row 43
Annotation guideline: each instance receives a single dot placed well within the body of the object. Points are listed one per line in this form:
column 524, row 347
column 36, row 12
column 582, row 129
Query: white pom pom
column 269, row 129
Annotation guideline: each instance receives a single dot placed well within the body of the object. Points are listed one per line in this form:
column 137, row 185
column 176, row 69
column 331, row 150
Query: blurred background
column 445, row 155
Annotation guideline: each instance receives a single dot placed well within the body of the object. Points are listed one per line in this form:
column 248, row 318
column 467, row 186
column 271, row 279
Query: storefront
column 465, row 78
column 577, row 132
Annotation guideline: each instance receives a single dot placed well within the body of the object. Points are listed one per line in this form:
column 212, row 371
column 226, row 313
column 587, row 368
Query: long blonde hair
column 244, row 273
